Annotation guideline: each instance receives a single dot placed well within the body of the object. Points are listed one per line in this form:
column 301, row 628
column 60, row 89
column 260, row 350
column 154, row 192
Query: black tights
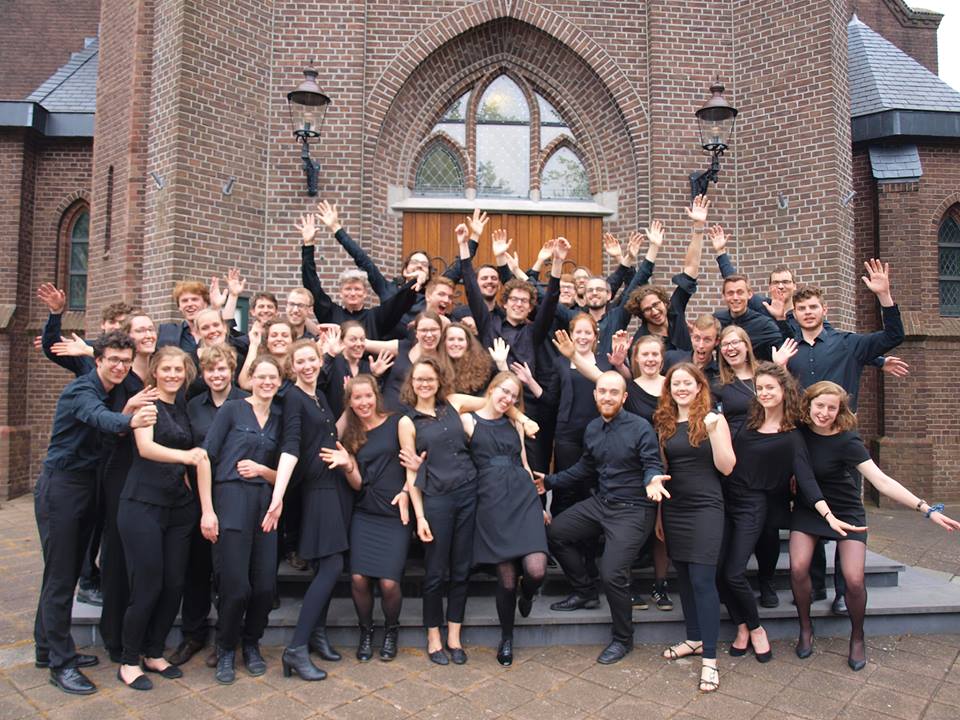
column 316, row 601
column 391, row 599
column 534, row 569
column 853, row 557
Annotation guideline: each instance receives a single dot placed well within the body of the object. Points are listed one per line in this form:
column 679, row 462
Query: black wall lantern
column 716, row 120
column 307, row 106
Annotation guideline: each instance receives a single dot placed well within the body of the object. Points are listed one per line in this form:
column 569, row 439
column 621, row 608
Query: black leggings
column 391, row 600
column 316, row 600
column 156, row 542
column 853, row 554
column 701, row 604
column 745, row 518
column 533, row 568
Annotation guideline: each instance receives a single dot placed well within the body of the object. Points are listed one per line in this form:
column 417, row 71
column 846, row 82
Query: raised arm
column 548, row 309
column 478, row 307
column 327, row 212
column 697, row 213
column 869, row 345
column 476, row 223
column 322, row 303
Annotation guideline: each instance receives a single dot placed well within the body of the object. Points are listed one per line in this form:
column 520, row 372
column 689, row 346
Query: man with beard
column 621, row 454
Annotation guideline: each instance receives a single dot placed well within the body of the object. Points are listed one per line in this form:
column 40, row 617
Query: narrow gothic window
column 439, row 173
column 79, row 236
column 949, row 265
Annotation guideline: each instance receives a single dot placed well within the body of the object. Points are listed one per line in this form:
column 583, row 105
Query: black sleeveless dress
column 378, row 539
column 509, row 514
column 693, row 516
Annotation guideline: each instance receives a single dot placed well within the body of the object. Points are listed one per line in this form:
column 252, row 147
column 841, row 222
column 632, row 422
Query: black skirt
column 378, row 546
column 325, row 528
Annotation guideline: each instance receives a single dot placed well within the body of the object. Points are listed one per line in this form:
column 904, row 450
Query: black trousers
column 701, row 604
column 452, row 518
column 90, row 572
column 565, row 455
column 745, row 518
column 195, row 609
column 65, row 504
column 114, row 583
column 156, row 542
column 625, row 529
column 767, row 551
column 245, row 563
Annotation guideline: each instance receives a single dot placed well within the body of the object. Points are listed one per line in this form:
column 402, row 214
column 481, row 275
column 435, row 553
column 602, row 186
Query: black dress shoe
column 839, row 606
column 816, row 595
column 322, row 647
column 90, row 596
column 739, row 652
column 211, row 660
column 252, row 659
column 457, row 655
column 226, row 673
column 80, row 660
column 439, row 657
column 614, row 652
column 388, row 651
column 524, row 602
column 297, row 660
column 576, row 602
column 505, row 652
column 72, row 681
column 365, row 645
column 856, row 665
column 185, row 650
column 170, row 672
column 804, row 651
column 768, row 594
column 140, row 682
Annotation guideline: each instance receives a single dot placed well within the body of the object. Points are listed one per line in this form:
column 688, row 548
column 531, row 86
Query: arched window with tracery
column 75, row 241
column 948, row 242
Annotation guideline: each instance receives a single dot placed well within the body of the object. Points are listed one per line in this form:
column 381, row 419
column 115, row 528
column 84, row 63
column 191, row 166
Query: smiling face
column 518, row 305
column 568, row 293
column 504, row 394
column 455, row 342
column 170, row 374
column 279, row 337
column 736, row 295
column 782, row 285
column 580, row 278
column 265, row 381
column 654, row 310
column 354, row 341
column 190, row 304
column 683, row 388
column 597, row 293
column 648, row 359
column 144, row 334
column 428, row 334
column 306, row 365
column 425, row 381
column 114, row 365
column 217, row 376
column 439, row 299
column 610, row 393
column 769, row 392
column 734, row 349
column 584, row 337
column 210, row 327
column 353, row 294
column 264, row 310
column 298, row 305
column 824, row 410
column 362, row 400
column 489, row 283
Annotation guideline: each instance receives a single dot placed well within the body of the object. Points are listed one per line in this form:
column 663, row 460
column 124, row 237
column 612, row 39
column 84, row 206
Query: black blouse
column 640, row 402
column 309, row 425
column 448, row 464
column 236, row 435
column 734, row 400
column 834, row 459
column 380, row 470
column 766, row 461
column 161, row 483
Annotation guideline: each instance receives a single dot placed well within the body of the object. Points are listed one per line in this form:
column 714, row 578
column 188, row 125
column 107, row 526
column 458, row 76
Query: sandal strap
column 674, row 653
column 713, row 677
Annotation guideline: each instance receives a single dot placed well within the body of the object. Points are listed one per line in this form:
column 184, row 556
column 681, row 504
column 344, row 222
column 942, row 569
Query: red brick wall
column 37, row 37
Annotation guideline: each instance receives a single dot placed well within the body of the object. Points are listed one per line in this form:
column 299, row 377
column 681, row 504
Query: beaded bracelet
column 934, row 508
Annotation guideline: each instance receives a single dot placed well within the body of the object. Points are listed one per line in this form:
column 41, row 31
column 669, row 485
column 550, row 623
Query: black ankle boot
column 388, row 651
column 297, row 660
column 322, row 647
column 365, row 646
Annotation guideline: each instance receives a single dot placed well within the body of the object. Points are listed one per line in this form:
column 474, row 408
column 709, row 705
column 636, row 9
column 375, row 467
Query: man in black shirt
column 620, row 452
column 65, row 502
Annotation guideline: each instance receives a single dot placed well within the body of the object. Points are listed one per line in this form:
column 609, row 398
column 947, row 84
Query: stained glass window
column 564, row 177
column 77, row 270
column 949, row 266
column 439, row 173
column 503, row 140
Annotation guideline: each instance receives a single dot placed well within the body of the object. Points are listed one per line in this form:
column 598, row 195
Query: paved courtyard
column 908, row 677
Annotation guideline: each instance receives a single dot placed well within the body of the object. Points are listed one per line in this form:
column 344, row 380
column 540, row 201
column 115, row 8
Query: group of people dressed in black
column 196, row 456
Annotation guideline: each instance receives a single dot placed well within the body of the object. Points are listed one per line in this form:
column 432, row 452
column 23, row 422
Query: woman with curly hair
column 427, row 326
column 466, row 360
column 839, row 460
column 696, row 446
column 771, row 450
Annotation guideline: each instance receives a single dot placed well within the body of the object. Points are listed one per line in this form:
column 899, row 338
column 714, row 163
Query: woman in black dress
column 310, row 430
column 696, row 445
column 156, row 515
column 770, row 450
column 510, row 520
column 346, row 358
column 239, row 514
column 839, row 459
column 444, row 495
column 427, row 326
column 379, row 530
column 734, row 391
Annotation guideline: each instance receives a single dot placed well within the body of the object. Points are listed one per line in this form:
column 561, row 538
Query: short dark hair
column 113, row 340
column 264, row 295
column 736, row 277
column 114, row 310
column 806, row 292
column 781, row 269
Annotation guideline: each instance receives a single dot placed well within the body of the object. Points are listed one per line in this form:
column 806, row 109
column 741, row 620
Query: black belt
column 620, row 503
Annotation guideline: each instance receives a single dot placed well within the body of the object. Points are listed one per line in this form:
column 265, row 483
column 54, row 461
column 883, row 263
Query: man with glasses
column 65, row 502
column 299, row 303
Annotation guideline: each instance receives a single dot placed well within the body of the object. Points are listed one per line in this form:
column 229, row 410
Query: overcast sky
column 948, row 37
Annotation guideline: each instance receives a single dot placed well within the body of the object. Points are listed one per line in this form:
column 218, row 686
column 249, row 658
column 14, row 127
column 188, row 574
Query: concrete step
column 926, row 602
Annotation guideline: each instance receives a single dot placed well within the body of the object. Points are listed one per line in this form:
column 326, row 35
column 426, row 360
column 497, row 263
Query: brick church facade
column 149, row 142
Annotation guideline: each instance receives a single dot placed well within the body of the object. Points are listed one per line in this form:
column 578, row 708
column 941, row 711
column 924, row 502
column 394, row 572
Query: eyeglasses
column 424, row 381
column 428, row 331
column 114, row 361
column 518, row 300
column 730, row 344
column 658, row 305
column 297, row 306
